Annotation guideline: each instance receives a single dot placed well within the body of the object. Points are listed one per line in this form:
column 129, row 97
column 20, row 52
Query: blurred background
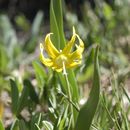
column 24, row 23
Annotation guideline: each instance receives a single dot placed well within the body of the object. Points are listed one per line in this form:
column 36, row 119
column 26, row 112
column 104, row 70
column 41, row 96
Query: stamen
column 76, row 60
column 77, row 46
column 64, row 69
column 73, row 30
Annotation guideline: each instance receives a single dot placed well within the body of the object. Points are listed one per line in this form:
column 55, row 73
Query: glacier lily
column 60, row 60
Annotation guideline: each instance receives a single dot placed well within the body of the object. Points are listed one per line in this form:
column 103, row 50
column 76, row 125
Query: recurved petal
column 73, row 64
column 57, row 68
column 49, row 47
column 70, row 44
column 46, row 61
column 77, row 54
column 80, row 47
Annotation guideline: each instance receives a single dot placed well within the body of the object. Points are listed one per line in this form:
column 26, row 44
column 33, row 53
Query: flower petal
column 70, row 44
column 46, row 61
column 73, row 64
column 56, row 68
column 50, row 48
column 77, row 54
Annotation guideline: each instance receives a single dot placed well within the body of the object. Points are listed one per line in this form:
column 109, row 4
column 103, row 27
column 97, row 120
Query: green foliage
column 87, row 112
column 47, row 125
column 14, row 96
column 31, row 42
column 20, row 99
column 37, row 24
column 56, row 23
column 40, row 74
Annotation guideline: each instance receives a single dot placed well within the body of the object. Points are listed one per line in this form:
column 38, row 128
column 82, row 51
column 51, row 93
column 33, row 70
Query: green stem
column 68, row 87
column 69, row 96
column 68, row 91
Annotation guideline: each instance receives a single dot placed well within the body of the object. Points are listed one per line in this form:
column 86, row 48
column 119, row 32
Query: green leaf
column 23, row 99
column 37, row 23
column 8, row 34
column 31, row 43
column 57, row 4
column 1, row 126
column 40, row 73
column 87, row 112
column 32, row 92
column 56, row 23
column 14, row 95
column 54, row 27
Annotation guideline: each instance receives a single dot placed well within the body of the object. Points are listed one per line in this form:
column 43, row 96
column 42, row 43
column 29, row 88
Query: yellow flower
column 60, row 60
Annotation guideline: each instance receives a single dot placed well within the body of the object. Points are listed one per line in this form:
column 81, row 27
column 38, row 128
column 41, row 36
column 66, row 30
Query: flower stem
column 68, row 91
column 73, row 104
